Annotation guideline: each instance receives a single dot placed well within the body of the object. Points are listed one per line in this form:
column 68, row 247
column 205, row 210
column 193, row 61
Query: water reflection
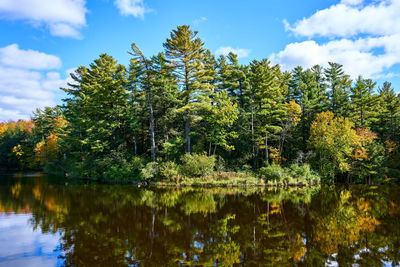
column 89, row 224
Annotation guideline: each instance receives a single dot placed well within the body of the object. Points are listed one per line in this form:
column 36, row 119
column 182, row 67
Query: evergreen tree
column 338, row 84
column 306, row 89
column 166, row 102
column 96, row 109
column 220, row 118
column 268, row 106
column 186, row 53
column 147, row 80
column 388, row 106
column 362, row 102
column 233, row 77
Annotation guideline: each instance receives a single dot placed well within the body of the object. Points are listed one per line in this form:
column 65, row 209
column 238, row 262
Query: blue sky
column 42, row 40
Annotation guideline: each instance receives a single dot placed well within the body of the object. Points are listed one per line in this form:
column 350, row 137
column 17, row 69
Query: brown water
column 45, row 221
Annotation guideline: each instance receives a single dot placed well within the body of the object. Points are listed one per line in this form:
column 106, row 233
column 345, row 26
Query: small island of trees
column 184, row 116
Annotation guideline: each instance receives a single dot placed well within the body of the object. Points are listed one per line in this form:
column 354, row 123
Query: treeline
column 229, row 116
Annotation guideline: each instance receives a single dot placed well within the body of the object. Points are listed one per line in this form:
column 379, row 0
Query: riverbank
column 199, row 174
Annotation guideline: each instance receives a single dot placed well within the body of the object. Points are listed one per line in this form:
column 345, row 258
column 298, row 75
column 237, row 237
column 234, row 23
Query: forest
column 186, row 116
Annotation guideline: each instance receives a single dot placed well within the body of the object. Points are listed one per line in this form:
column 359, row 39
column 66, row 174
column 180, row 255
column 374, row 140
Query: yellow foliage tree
column 47, row 150
column 334, row 140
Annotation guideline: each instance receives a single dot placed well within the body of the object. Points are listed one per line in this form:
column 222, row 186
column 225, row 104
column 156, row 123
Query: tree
column 333, row 140
column 220, row 118
column 267, row 100
column 362, row 104
column 368, row 157
column 306, row 89
column 233, row 78
column 293, row 117
column 166, row 103
column 338, row 84
column 147, row 80
column 388, row 106
column 97, row 110
column 186, row 53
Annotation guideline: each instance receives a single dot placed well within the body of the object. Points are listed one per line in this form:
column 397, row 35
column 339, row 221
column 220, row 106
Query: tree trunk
column 152, row 136
column 135, row 142
column 252, row 137
column 362, row 118
column 187, row 134
column 266, row 148
column 187, row 122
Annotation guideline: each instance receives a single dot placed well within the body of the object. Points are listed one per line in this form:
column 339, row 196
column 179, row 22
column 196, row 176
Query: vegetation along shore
column 185, row 117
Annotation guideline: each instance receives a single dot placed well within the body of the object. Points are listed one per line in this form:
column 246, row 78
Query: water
column 48, row 221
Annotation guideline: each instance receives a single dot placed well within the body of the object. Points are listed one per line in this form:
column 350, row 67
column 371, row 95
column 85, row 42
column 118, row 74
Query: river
column 50, row 221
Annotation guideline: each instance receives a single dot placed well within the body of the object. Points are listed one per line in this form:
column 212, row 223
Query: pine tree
column 268, row 105
column 166, row 104
column 233, row 77
column 339, row 85
column 147, row 80
column 308, row 91
column 96, row 108
column 363, row 101
column 186, row 53
column 220, row 118
column 389, row 111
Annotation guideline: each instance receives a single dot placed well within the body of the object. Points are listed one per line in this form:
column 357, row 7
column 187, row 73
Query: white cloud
column 197, row 22
column 63, row 17
column 135, row 8
column 355, row 56
column 352, row 2
column 344, row 20
column 64, row 30
column 28, row 59
column 20, row 243
column 364, row 39
column 240, row 52
column 22, row 87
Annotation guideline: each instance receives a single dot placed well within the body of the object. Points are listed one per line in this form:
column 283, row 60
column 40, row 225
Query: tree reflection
column 125, row 225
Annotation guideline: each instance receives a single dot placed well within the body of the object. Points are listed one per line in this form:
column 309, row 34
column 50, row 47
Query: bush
column 197, row 164
column 220, row 164
column 169, row 170
column 304, row 173
column 125, row 169
column 274, row 172
column 295, row 174
column 150, row 171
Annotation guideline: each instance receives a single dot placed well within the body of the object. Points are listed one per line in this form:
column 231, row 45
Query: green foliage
column 274, row 172
column 186, row 100
column 169, row 170
column 196, row 165
column 150, row 171
column 304, row 173
column 97, row 107
column 333, row 139
column 294, row 175
column 120, row 169
column 363, row 112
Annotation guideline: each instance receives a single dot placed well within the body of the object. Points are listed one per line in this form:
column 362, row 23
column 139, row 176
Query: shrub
column 169, row 170
column 274, row 172
column 295, row 174
column 125, row 169
column 304, row 173
column 220, row 164
column 197, row 164
column 150, row 171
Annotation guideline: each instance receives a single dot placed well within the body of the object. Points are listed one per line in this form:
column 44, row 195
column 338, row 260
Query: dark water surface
column 47, row 221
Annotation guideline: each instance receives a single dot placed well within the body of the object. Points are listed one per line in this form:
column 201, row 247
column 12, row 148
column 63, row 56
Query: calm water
column 45, row 221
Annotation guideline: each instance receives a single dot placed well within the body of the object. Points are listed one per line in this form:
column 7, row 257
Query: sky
column 42, row 41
